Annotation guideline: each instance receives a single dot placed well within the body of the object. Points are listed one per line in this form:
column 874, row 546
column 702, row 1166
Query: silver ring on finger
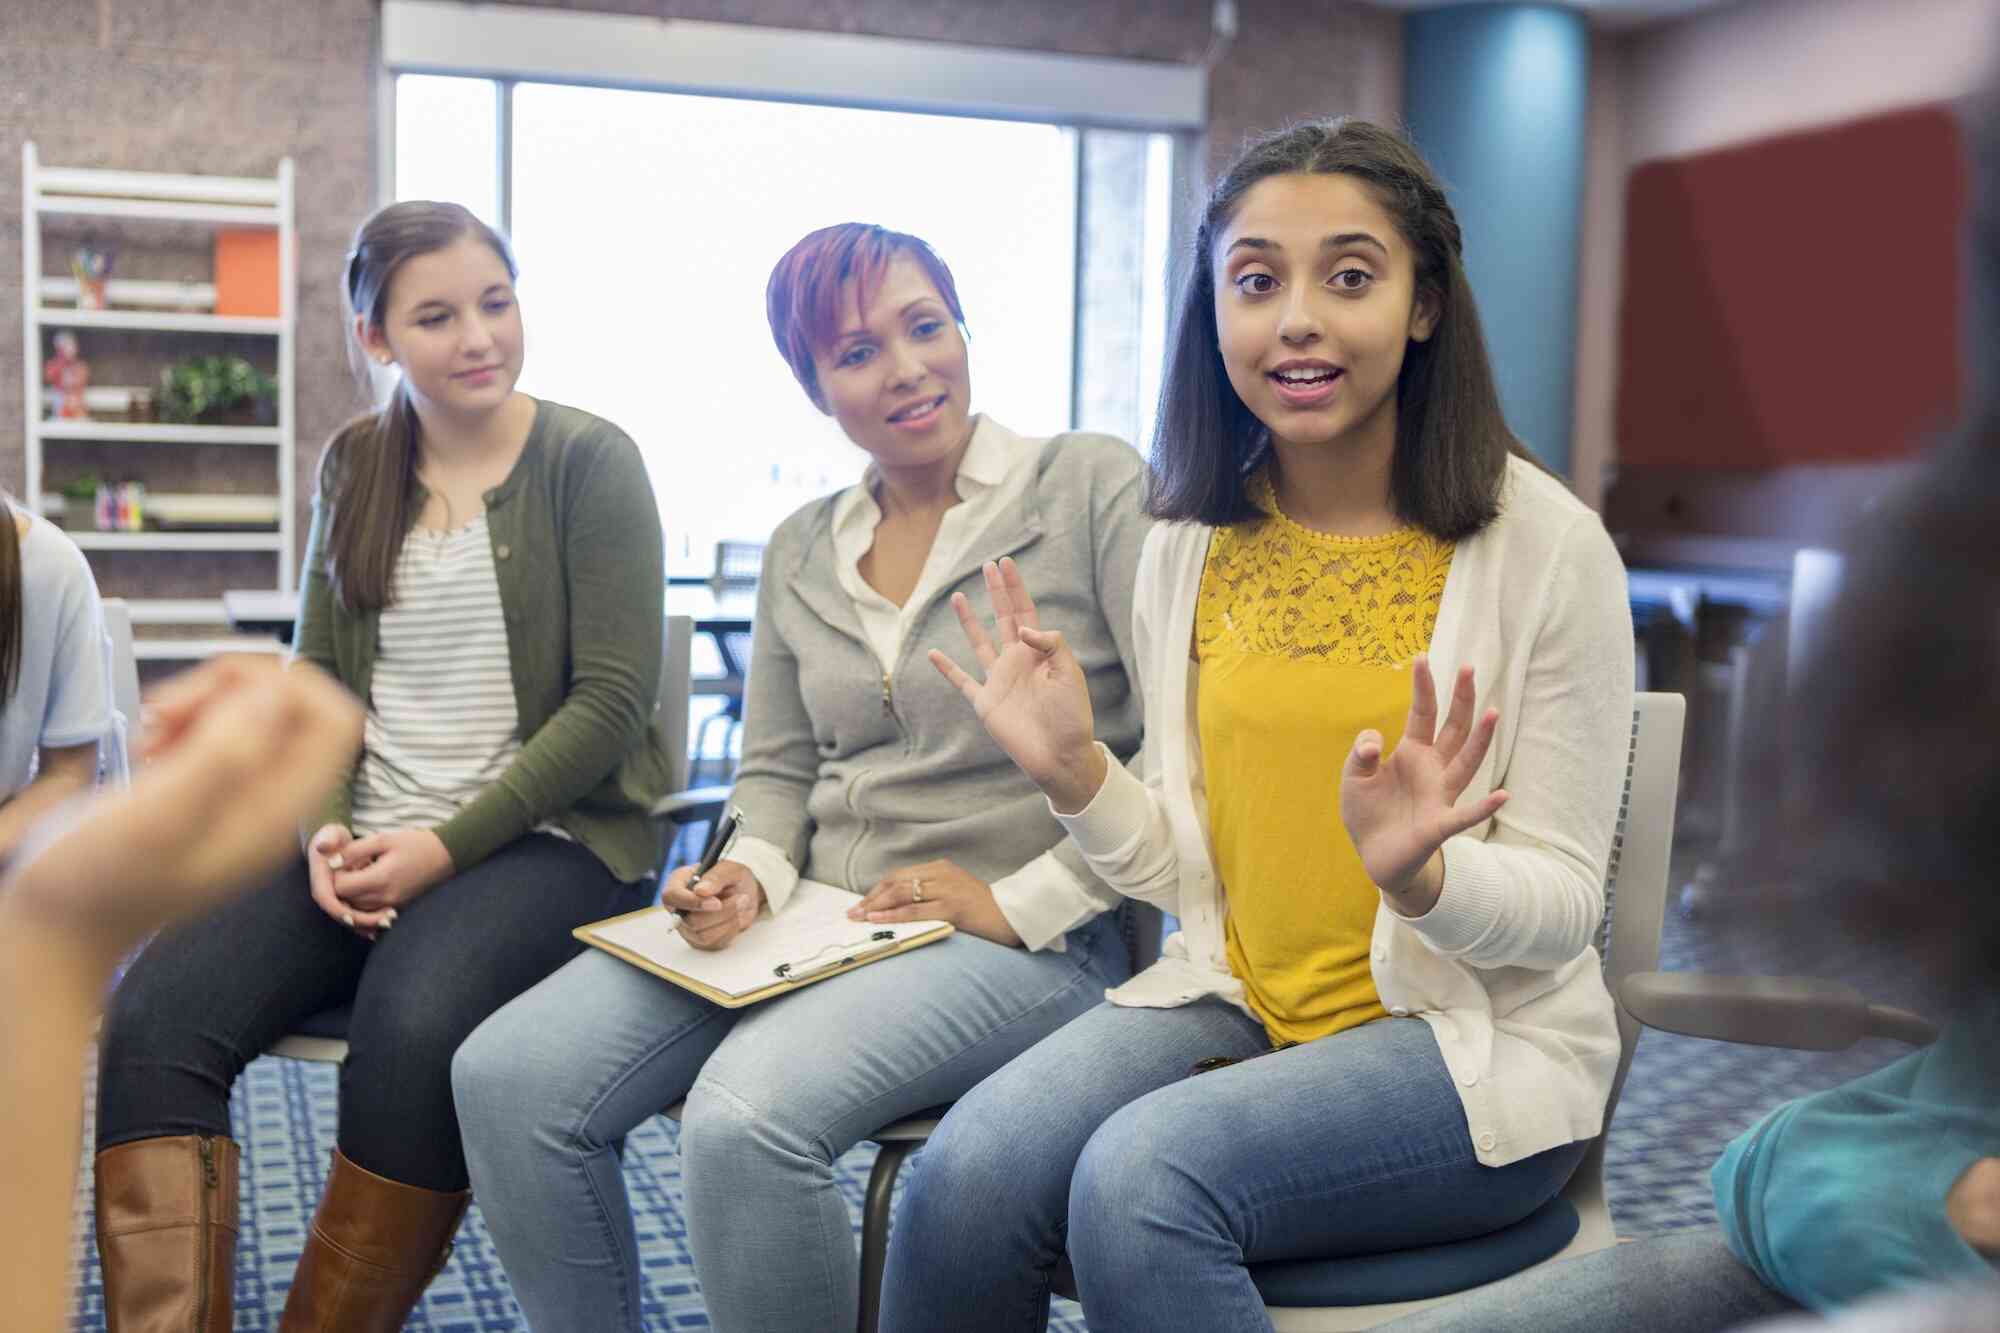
column 916, row 890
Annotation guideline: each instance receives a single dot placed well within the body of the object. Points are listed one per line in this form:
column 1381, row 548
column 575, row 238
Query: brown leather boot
column 374, row 1246
column 166, row 1234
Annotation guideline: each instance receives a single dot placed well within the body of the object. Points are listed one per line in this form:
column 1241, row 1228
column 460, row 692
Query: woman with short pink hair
column 861, row 769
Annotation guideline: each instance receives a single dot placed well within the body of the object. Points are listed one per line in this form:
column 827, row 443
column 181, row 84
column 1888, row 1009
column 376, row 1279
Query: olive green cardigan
column 577, row 550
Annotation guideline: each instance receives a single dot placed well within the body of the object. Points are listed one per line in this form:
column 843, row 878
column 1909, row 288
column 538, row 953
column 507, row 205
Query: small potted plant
column 80, row 501
column 217, row 390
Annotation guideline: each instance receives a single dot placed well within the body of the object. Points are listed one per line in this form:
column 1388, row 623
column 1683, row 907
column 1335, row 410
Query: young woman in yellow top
column 1397, row 914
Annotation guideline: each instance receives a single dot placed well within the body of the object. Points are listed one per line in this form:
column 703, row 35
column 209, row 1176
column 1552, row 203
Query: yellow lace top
column 1304, row 639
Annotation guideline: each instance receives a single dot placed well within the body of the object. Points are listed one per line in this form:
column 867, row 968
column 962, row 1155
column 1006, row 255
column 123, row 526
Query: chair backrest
column 1635, row 881
column 737, row 564
column 1815, row 588
column 1635, row 904
column 116, row 753
column 1142, row 925
column 676, row 685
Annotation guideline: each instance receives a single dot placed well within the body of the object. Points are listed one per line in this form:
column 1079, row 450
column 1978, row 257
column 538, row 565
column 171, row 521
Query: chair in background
column 737, row 567
column 323, row 1036
column 1363, row 1291
column 115, row 751
column 1795, row 1013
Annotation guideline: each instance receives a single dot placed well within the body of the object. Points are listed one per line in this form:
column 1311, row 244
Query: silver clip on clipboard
column 812, row 965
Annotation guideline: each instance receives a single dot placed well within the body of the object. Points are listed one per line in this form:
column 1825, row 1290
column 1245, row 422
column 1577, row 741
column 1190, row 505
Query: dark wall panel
column 1794, row 300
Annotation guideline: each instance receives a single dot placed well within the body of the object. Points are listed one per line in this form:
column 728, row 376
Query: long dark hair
column 10, row 602
column 368, row 471
column 1452, row 439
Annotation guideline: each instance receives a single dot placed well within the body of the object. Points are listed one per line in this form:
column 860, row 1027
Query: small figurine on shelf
column 92, row 268
column 68, row 375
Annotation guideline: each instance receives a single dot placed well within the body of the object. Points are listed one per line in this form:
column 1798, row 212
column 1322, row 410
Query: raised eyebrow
column 1348, row 239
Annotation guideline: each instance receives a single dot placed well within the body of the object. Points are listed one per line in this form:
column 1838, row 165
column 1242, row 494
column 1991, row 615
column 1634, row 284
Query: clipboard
column 809, row 941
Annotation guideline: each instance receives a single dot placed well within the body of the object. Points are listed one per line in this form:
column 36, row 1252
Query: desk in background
column 1716, row 558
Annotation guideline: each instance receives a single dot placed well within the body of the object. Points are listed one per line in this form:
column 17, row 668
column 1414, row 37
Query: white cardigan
column 1503, row 967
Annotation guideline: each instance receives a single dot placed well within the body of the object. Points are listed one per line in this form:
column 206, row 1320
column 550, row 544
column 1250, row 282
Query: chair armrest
column 1800, row 1013
column 692, row 806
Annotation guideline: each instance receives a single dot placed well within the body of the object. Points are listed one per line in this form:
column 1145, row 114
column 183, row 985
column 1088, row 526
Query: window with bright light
column 647, row 223
column 447, row 142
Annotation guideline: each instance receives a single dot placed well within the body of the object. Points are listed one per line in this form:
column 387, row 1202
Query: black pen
column 718, row 843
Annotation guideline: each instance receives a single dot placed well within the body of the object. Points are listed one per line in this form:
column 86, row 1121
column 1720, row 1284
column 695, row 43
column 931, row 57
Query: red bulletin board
column 1794, row 300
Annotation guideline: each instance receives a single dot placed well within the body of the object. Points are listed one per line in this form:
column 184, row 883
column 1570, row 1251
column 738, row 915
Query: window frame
column 509, row 46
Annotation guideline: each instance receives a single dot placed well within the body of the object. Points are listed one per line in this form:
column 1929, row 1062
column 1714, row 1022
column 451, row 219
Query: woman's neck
column 453, row 441
column 1341, row 485
column 921, row 488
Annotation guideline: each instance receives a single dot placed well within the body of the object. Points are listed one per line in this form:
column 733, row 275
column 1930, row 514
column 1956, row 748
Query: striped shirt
column 442, row 721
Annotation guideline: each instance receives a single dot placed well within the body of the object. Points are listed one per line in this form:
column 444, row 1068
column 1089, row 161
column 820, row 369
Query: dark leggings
column 205, row 999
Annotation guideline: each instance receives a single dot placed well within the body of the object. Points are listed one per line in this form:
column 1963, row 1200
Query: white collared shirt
column 991, row 476
column 996, row 467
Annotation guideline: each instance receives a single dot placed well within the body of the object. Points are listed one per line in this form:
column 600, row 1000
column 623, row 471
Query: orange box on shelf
column 246, row 272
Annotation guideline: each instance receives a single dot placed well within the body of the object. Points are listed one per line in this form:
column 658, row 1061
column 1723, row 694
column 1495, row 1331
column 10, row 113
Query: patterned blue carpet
column 1685, row 1100
column 283, row 1116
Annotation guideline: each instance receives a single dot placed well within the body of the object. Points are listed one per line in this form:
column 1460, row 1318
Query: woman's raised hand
column 1034, row 701
column 1400, row 809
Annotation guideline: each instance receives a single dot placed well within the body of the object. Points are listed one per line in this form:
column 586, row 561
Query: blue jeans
column 1682, row 1282
column 549, row 1087
column 1163, row 1186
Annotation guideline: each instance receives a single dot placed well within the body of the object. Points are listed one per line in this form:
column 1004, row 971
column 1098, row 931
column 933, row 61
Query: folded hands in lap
column 361, row 882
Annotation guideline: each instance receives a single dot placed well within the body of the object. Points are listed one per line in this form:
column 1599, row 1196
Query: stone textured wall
column 221, row 87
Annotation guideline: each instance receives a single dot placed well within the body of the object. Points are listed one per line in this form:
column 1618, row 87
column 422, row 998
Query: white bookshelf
column 181, row 314
column 158, row 321
column 177, row 541
column 160, row 432
column 195, row 650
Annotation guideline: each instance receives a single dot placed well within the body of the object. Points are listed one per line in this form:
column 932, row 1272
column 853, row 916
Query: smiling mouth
column 1307, row 377
column 476, row 370
column 915, row 410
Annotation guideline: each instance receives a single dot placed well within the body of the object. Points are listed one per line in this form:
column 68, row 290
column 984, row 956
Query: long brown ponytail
column 368, row 473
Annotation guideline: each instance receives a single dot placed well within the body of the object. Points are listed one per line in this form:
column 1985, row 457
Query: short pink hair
column 803, row 298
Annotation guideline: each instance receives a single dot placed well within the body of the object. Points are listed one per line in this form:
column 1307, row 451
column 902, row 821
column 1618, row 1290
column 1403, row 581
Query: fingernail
column 390, row 916
column 334, row 862
column 388, row 921
column 347, row 919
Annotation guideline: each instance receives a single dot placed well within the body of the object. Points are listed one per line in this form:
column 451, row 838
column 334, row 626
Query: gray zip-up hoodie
column 853, row 780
